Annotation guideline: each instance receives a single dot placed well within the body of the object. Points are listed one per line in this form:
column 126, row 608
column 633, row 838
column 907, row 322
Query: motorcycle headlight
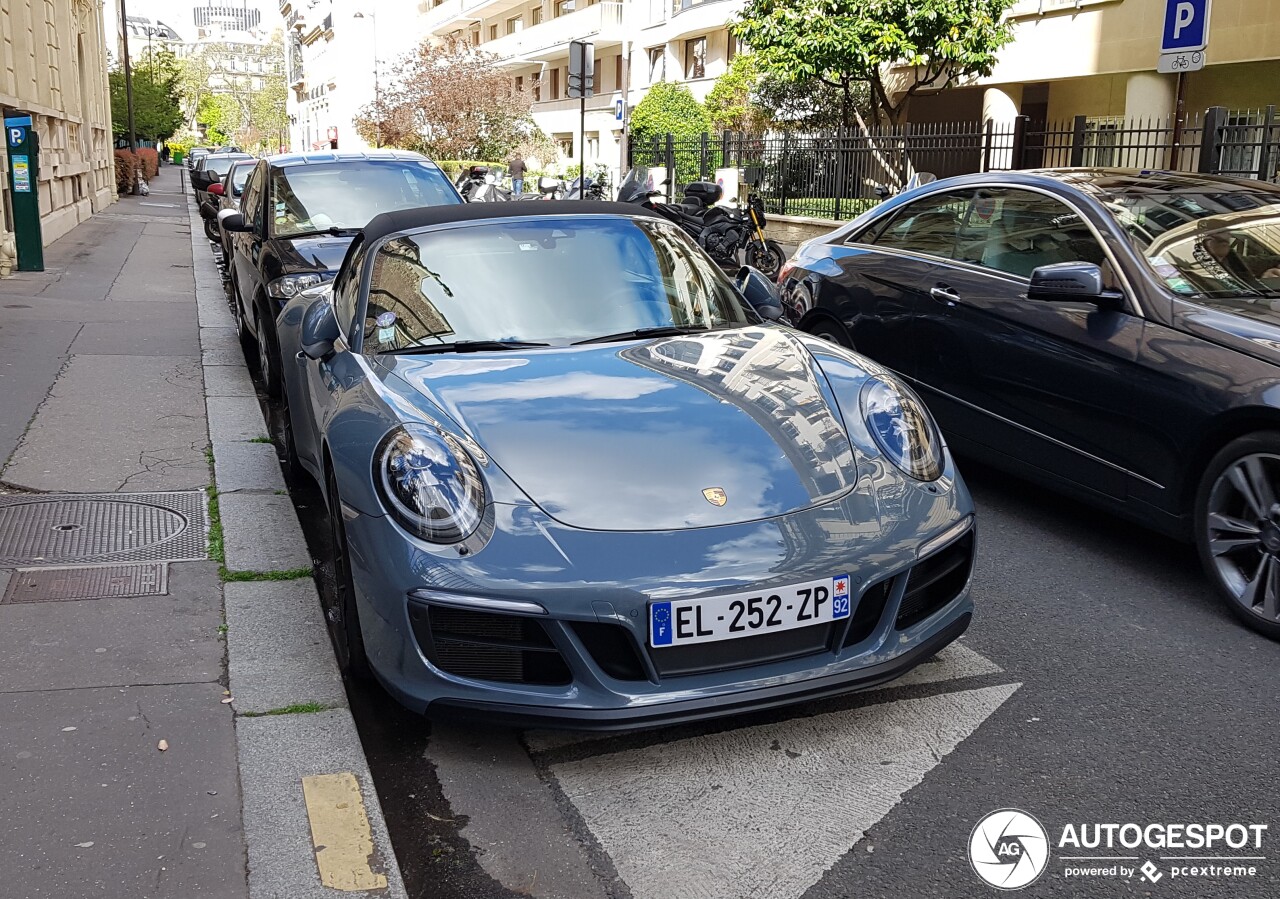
column 287, row 287
column 429, row 484
column 902, row 428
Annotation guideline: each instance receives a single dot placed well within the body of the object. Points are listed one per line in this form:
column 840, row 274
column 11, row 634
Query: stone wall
column 53, row 64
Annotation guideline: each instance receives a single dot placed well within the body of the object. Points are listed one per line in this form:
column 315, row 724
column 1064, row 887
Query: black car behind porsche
column 1111, row 334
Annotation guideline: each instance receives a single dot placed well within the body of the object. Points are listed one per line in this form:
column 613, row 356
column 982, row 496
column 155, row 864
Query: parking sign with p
column 1186, row 26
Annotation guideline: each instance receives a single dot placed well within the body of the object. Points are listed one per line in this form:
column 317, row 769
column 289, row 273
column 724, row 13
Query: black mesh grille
column 936, row 581
column 744, row 651
column 866, row 617
column 612, row 648
column 488, row 645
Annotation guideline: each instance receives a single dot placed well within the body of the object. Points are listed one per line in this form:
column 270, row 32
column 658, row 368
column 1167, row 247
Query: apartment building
column 637, row 43
column 1097, row 58
column 53, row 65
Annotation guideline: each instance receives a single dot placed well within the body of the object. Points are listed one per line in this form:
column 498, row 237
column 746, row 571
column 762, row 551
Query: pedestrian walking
column 516, row 167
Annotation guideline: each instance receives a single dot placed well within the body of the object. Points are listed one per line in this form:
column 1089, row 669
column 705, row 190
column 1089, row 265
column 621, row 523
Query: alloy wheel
column 1242, row 531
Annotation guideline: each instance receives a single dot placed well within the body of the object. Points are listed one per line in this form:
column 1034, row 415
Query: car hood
column 322, row 253
column 1255, row 330
column 693, row 431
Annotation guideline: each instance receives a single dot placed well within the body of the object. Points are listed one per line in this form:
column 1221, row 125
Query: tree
column 751, row 99
column 450, row 101
column 157, row 111
column 731, row 105
column 668, row 108
column 845, row 42
column 222, row 117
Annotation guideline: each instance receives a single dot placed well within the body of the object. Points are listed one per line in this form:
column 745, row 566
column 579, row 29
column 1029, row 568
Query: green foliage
column 157, row 107
column 668, row 108
column 731, row 104
column 222, row 117
column 935, row 43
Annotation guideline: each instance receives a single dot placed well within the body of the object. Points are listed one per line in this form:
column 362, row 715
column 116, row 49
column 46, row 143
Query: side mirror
column 216, row 189
column 1072, row 282
column 319, row 329
column 760, row 292
column 235, row 222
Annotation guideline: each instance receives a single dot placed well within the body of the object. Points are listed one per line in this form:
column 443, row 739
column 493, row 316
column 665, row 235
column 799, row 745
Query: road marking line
column 954, row 662
column 803, row 792
column 340, row 831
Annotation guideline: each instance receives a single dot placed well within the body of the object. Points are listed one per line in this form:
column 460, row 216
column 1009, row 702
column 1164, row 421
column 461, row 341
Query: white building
column 637, row 43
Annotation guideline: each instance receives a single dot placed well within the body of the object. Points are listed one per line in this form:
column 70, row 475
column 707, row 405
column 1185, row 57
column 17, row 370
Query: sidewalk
column 123, row 756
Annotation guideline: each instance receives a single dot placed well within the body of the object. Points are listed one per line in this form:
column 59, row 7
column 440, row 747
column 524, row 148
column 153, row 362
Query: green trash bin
column 176, row 157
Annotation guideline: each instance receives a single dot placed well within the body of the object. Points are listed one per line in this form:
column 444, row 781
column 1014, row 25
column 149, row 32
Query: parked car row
column 1112, row 335
column 575, row 473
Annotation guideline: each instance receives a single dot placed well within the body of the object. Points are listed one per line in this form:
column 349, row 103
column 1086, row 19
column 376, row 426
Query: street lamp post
column 377, row 93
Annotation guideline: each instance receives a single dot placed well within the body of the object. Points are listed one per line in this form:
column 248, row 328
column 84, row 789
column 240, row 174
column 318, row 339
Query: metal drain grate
column 87, row 582
column 57, row 529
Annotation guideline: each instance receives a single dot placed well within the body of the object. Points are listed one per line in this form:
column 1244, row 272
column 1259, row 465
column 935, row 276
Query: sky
column 177, row 14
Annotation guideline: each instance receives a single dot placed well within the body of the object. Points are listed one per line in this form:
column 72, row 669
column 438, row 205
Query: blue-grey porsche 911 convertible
column 576, row 476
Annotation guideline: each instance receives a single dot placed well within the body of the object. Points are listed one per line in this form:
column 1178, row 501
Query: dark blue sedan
column 576, row 475
column 1111, row 334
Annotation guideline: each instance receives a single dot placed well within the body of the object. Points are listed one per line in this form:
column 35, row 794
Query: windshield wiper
column 463, row 346
column 641, row 333
column 334, row 231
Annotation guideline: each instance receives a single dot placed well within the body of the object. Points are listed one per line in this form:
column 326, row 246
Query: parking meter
column 24, row 169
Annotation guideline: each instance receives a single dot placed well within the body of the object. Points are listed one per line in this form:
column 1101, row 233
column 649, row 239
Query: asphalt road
column 1100, row 683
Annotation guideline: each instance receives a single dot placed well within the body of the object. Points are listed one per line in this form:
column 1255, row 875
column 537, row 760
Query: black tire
column 288, row 449
column 1237, row 529
column 242, row 323
column 767, row 257
column 342, row 614
column 211, row 230
column 830, row 329
column 269, row 358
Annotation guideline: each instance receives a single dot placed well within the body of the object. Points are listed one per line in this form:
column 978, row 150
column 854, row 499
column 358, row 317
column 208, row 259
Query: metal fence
column 836, row 175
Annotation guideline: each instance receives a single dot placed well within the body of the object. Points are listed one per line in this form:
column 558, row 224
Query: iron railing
column 837, row 175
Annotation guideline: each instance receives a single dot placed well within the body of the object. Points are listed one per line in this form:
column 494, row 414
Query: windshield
column 240, row 177
column 546, row 280
column 348, row 194
column 1219, row 247
column 220, row 165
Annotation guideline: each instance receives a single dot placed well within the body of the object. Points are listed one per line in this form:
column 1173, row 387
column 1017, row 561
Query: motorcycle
column 760, row 252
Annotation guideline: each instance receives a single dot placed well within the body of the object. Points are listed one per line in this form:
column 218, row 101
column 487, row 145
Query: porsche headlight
column 902, row 428
column 287, row 287
column 429, row 484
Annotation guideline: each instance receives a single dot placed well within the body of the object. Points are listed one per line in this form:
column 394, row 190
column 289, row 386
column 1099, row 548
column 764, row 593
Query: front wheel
column 211, row 230
column 767, row 257
column 1237, row 522
column 348, row 638
column 269, row 359
column 832, row 331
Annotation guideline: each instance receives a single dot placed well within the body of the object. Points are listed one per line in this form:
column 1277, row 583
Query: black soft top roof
column 424, row 216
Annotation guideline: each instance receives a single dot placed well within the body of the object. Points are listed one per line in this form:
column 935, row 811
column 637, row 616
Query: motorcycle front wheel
column 767, row 257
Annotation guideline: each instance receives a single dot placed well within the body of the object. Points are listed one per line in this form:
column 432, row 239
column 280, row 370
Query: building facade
column 53, row 65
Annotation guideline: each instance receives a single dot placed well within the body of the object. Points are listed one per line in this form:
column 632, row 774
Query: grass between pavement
column 217, row 550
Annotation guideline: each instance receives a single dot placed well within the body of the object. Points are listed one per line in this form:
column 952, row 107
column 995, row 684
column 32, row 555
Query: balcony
column 549, row 40
column 454, row 14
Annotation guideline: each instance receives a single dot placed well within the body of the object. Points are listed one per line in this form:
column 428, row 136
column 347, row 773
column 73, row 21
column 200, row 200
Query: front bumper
column 592, row 582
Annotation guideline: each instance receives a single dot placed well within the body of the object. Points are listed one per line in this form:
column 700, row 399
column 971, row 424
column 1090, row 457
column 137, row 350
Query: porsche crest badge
column 716, row 496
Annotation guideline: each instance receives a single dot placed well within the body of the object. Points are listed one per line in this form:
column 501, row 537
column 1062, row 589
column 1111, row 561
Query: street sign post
column 1186, row 26
column 581, row 86
column 1192, row 61
column 24, row 189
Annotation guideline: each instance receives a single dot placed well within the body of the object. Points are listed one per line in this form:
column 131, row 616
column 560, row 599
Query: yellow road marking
column 340, row 832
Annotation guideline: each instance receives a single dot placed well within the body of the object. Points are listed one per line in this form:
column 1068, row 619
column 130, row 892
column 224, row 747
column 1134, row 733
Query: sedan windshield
column 240, row 177
column 348, row 194
column 540, row 280
column 1217, row 245
column 220, row 165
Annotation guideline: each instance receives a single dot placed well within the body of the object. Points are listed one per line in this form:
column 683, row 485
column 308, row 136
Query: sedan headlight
column 289, row 286
column 902, row 428
column 429, row 484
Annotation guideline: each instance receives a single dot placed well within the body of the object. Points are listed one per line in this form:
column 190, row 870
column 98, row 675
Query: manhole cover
column 87, row 582
column 56, row 529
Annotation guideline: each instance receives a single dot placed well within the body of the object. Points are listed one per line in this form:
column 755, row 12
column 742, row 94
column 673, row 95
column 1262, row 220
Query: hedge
column 149, row 159
column 126, row 171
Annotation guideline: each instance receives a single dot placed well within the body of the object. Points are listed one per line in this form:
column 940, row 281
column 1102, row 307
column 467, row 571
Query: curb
column 312, row 820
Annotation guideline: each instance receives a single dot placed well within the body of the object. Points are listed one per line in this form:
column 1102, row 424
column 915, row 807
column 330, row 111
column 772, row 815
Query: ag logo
column 1009, row 849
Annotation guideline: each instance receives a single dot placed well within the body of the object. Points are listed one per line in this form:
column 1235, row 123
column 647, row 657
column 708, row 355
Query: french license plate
column 679, row 622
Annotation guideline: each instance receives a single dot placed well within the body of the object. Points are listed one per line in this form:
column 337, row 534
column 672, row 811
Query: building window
column 733, row 49
column 564, row 7
column 1101, row 140
column 475, row 38
column 519, row 84
column 597, row 77
column 695, row 58
column 555, row 85
column 514, row 24
column 617, row 72
column 657, row 64
column 535, row 16
column 493, row 32
column 536, row 81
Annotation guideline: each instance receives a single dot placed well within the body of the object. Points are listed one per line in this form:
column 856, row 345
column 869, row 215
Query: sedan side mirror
column 760, row 292
column 1072, row 282
column 235, row 222
column 216, row 189
column 319, row 329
